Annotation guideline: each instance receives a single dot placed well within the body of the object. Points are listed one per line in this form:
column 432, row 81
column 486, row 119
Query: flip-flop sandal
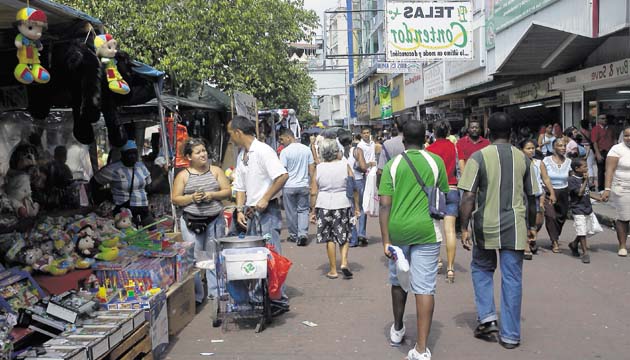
column 528, row 256
column 347, row 274
column 332, row 276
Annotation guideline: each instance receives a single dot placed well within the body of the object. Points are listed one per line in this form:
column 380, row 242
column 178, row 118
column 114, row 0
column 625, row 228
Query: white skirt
column 621, row 202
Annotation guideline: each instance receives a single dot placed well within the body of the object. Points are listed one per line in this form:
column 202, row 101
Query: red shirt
column 604, row 137
column 466, row 147
column 446, row 150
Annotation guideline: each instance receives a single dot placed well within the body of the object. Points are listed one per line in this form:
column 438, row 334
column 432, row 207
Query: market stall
column 76, row 282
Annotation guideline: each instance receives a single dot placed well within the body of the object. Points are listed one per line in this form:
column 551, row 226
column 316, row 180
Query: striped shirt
column 202, row 182
column 500, row 175
column 119, row 177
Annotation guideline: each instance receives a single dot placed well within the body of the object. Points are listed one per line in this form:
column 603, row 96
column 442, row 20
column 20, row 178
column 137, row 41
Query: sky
column 319, row 6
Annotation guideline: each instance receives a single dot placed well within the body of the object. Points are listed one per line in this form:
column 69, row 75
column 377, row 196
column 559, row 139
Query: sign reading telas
column 423, row 31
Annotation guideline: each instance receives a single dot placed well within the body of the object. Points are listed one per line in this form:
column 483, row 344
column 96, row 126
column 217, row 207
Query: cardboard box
column 68, row 353
column 181, row 304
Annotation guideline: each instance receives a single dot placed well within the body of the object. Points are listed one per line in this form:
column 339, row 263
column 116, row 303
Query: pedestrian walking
column 359, row 167
column 405, row 222
column 331, row 206
column 617, row 187
column 392, row 147
column 558, row 167
column 603, row 138
column 470, row 143
column 501, row 180
column 528, row 147
column 198, row 192
column 299, row 162
column 581, row 208
column 368, row 148
column 445, row 149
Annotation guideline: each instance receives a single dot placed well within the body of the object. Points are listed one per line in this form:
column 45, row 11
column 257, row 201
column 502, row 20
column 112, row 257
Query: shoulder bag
column 437, row 199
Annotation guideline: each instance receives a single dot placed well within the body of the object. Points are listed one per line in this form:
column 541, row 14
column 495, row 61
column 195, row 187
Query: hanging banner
column 384, row 95
column 245, row 105
column 501, row 14
column 423, row 31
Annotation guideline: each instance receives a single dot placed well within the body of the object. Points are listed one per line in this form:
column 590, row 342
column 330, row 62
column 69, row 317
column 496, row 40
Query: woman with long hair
column 545, row 139
column 198, row 192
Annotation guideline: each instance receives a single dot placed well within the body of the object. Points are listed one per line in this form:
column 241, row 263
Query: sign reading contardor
column 423, row 31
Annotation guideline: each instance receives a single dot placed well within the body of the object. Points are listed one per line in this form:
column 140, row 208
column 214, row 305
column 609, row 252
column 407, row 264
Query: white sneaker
column 396, row 336
column 415, row 355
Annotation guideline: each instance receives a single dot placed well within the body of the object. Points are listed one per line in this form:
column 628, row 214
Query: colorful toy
column 106, row 50
column 30, row 23
column 107, row 254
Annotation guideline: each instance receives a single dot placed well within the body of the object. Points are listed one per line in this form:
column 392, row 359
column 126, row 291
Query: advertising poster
column 385, row 96
column 424, row 31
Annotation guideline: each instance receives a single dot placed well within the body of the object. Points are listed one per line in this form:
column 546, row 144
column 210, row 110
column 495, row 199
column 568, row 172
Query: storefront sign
column 526, row 93
column 362, row 107
column 421, row 31
column 457, row 104
column 398, row 67
column 500, row 14
column 245, row 105
column 414, row 90
column 614, row 71
column 487, row 102
column 13, row 98
column 433, row 81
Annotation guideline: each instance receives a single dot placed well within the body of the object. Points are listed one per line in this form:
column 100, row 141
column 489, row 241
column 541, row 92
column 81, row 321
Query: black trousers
column 601, row 171
column 556, row 215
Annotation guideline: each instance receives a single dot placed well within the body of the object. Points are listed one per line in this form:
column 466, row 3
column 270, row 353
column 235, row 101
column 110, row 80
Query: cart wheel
column 216, row 323
column 266, row 303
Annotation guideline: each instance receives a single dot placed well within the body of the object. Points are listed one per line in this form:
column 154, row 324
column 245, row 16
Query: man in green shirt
column 501, row 178
column 406, row 223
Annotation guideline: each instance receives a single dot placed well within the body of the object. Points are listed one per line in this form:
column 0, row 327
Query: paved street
column 570, row 311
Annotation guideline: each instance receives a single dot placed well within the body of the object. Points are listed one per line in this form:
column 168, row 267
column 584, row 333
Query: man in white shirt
column 259, row 177
column 367, row 146
column 298, row 160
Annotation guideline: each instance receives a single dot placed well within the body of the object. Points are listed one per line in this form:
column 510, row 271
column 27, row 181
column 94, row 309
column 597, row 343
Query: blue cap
column 130, row 145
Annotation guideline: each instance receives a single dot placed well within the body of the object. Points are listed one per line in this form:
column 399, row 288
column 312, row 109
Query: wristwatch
column 240, row 208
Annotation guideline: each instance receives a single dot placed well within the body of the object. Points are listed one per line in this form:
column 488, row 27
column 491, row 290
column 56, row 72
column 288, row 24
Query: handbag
column 437, row 199
column 197, row 223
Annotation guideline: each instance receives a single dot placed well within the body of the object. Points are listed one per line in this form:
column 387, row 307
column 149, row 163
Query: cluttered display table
column 86, row 287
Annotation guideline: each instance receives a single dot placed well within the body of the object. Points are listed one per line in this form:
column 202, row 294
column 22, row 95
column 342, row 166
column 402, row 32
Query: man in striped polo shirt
column 502, row 180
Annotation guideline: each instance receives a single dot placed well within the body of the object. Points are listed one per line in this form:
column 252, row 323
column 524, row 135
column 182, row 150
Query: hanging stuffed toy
column 105, row 46
column 30, row 23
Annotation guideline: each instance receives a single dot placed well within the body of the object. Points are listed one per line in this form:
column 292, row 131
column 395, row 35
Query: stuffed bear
column 30, row 23
column 19, row 194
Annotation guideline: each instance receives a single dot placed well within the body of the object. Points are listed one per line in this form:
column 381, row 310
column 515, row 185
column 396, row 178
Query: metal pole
column 324, row 42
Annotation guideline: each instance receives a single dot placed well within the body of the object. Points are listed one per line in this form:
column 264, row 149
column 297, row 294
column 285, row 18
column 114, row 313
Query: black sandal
column 347, row 274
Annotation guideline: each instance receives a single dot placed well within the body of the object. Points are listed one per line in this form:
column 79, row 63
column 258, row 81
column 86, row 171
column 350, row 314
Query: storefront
column 601, row 89
column 532, row 105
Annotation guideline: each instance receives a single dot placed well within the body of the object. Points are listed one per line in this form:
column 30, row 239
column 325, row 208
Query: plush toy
column 29, row 257
column 107, row 254
column 87, row 244
column 19, row 193
column 105, row 46
column 124, row 222
column 30, row 23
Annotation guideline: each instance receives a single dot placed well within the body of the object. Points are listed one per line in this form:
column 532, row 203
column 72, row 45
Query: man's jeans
column 483, row 264
column 359, row 228
column 296, row 206
column 205, row 248
column 270, row 223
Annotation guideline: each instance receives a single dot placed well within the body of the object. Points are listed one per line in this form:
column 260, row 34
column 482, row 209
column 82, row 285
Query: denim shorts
column 452, row 203
column 423, row 261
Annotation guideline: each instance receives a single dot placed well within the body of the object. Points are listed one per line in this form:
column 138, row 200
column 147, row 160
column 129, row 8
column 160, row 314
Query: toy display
column 30, row 23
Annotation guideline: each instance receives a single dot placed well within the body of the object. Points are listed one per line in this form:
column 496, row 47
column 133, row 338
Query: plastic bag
column 277, row 269
column 402, row 267
column 370, row 195
column 593, row 227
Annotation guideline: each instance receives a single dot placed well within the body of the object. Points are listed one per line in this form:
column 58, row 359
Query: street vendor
column 128, row 179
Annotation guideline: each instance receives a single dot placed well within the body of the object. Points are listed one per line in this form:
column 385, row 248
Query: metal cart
column 241, row 268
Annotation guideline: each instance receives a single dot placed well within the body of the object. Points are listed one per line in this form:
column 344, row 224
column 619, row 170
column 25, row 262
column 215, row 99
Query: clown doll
column 30, row 23
column 105, row 46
